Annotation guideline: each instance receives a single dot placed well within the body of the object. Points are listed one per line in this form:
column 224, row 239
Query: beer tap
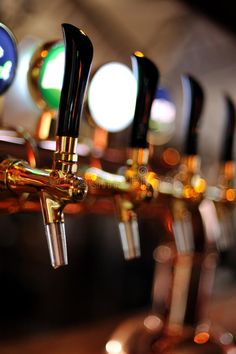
column 196, row 257
column 136, row 172
column 135, row 185
column 188, row 189
column 182, row 325
column 61, row 184
column 224, row 195
column 180, row 193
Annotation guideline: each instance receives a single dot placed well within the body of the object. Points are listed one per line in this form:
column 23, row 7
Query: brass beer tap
column 136, row 173
column 135, row 185
column 61, row 184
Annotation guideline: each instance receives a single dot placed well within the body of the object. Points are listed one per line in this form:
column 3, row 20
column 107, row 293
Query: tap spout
column 54, row 227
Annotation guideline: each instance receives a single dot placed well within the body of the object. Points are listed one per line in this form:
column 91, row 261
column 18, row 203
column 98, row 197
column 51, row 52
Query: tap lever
column 193, row 100
column 78, row 59
column 228, row 138
column 147, row 76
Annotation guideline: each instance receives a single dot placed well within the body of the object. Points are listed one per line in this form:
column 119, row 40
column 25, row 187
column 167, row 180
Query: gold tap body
column 140, row 190
column 56, row 188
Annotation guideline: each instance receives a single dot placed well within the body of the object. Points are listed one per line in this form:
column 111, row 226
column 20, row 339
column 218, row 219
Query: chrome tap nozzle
column 56, row 239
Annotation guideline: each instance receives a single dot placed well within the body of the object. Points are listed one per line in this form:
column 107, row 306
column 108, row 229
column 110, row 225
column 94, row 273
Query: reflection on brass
column 19, row 177
column 66, row 157
column 137, row 182
column 104, row 183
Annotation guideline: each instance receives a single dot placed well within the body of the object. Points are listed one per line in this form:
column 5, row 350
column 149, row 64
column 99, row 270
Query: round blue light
column 8, row 58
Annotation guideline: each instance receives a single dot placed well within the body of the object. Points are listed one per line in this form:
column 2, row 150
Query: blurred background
column 180, row 37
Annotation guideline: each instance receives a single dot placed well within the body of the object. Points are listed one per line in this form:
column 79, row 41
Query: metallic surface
column 56, row 239
column 19, row 177
column 66, row 157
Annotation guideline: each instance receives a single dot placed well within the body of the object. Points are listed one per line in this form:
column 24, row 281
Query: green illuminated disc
column 51, row 76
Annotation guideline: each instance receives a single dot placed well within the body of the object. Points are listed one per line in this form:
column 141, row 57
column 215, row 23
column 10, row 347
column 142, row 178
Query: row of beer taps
column 63, row 183
column 189, row 253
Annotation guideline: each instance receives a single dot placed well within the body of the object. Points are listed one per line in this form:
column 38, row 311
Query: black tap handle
column 147, row 76
column 228, row 137
column 193, row 103
column 78, row 59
